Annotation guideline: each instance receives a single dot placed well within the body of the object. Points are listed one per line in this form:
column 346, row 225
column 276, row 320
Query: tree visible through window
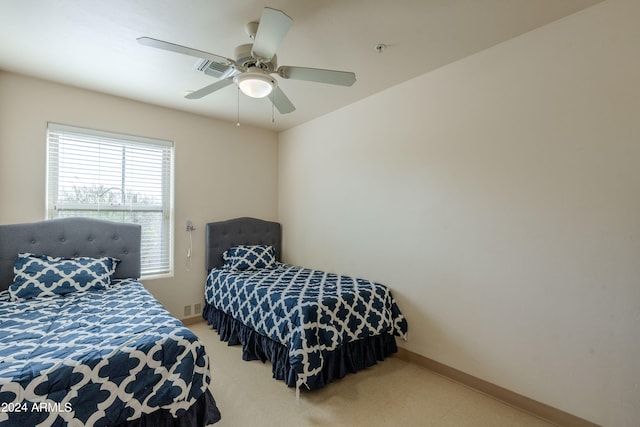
column 118, row 178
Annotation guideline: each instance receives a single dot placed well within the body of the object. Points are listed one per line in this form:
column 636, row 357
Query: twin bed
column 82, row 342
column 312, row 326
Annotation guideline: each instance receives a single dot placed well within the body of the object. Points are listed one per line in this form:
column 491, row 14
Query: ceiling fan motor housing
column 244, row 58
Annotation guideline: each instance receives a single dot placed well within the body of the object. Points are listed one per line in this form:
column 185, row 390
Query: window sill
column 156, row 276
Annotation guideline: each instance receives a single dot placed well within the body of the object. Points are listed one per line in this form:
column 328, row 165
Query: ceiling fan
column 254, row 63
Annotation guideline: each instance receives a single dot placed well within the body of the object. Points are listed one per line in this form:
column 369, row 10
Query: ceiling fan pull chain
column 273, row 116
column 238, row 112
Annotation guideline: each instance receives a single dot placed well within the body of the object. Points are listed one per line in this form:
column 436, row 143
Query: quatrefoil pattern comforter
column 96, row 358
column 311, row 312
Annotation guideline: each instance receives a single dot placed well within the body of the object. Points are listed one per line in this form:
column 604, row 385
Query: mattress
column 97, row 358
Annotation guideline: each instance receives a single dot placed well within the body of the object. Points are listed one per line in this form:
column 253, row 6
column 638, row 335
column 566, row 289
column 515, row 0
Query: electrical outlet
column 197, row 308
column 190, row 226
column 187, row 310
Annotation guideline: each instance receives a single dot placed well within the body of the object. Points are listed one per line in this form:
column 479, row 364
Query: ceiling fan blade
column 342, row 78
column 273, row 26
column 232, row 71
column 172, row 47
column 280, row 101
column 209, row 89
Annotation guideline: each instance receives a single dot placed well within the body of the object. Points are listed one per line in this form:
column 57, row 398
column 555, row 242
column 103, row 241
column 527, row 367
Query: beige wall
column 221, row 171
column 499, row 197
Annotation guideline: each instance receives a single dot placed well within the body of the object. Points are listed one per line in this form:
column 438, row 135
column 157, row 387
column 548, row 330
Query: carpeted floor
column 392, row 393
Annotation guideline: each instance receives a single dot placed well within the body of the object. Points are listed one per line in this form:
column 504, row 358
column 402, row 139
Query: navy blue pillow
column 249, row 257
column 42, row 275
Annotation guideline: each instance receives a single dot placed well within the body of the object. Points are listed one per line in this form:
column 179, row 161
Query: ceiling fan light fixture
column 255, row 84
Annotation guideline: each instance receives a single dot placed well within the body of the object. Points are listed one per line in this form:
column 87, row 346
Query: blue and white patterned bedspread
column 311, row 312
column 96, row 358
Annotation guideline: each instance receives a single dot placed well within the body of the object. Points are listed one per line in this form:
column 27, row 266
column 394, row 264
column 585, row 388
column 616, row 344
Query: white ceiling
column 92, row 44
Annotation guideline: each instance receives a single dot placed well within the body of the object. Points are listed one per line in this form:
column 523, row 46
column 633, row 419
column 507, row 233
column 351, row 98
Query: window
column 118, row 178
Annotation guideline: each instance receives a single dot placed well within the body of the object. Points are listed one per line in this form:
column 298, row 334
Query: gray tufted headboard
column 223, row 235
column 71, row 237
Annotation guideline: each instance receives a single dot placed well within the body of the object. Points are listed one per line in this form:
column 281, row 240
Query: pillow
column 42, row 275
column 249, row 257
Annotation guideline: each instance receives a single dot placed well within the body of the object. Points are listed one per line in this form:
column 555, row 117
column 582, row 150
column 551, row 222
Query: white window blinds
column 118, row 178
